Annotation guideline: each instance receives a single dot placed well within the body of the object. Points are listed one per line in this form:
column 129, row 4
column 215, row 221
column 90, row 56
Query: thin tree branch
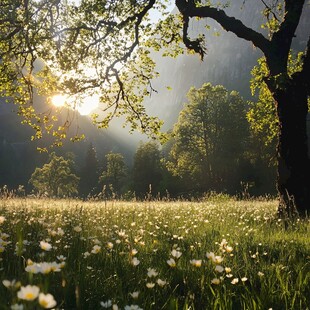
column 270, row 11
column 195, row 45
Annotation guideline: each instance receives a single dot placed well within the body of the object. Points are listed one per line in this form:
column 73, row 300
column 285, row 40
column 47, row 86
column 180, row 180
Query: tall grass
column 218, row 254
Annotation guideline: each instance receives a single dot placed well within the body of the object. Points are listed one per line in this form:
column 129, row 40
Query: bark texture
column 293, row 179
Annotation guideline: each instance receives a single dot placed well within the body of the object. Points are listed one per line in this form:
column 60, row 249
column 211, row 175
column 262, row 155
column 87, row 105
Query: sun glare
column 59, row 100
column 88, row 104
column 83, row 105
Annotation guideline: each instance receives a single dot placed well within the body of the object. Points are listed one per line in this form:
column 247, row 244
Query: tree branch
column 228, row 23
column 270, row 10
column 284, row 36
column 192, row 44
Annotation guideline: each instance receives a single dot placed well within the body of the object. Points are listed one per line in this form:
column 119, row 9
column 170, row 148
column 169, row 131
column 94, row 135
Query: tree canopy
column 56, row 178
column 210, row 139
column 78, row 50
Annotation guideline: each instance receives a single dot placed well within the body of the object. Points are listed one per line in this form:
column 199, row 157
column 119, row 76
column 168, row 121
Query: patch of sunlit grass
column 217, row 254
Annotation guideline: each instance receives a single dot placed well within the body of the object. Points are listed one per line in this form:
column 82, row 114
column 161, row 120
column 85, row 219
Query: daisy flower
column 47, row 301
column 45, row 246
column 151, row 272
column 29, row 292
column 171, row 262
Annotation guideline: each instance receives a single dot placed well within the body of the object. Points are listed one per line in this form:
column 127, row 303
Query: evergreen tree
column 147, row 169
column 114, row 175
column 89, row 173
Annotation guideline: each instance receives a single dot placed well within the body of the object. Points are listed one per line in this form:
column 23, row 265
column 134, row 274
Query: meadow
column 216, row 254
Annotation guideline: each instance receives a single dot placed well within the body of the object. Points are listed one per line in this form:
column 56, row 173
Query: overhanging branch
column 194, row 45
column 189, row 9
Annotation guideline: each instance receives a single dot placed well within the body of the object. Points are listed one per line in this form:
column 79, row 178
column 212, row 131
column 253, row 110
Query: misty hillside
column 19, row 156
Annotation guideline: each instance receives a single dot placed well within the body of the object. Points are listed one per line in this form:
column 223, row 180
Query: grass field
column 217, row 254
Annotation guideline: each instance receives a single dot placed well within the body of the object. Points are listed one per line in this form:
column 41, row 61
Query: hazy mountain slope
column 18, row 154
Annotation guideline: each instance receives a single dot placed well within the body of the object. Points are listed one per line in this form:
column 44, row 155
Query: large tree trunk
column 293, row 180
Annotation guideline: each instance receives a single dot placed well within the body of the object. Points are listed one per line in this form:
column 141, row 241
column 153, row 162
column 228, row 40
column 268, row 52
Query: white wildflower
column 47, row 301
column 29, row 292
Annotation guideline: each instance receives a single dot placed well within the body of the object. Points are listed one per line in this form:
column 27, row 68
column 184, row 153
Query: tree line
column 211, row 148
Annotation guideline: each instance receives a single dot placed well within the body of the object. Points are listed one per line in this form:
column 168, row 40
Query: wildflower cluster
column 44, row 267
column 152, row 279
column 222, row 271
column 175, row 255
column 30, row 293
column 3, row 237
